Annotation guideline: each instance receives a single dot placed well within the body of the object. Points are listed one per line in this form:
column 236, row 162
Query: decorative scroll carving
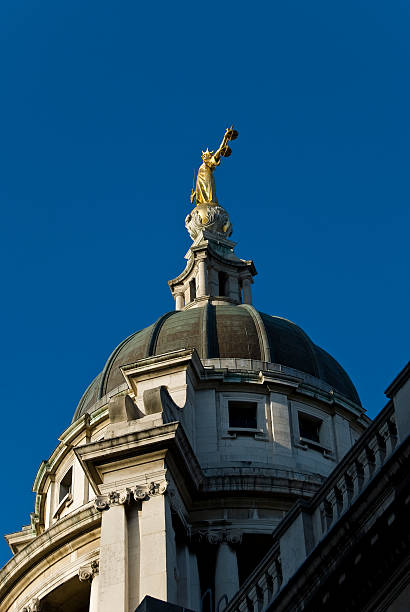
column 126, row 496
column 157, row 488
column 101, row 503
column 33, row 606
column 86, row 573
column 233, row 537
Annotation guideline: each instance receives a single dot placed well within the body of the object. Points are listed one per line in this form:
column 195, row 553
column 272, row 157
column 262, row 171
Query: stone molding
column 33, row 606
column 137, row 493
column 87, row 572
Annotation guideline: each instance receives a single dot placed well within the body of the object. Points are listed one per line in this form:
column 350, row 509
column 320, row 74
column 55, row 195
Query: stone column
column 179, row 301
column 144, row 546
column 94, row 594
column 50, row 502
column 90, row 573
column 213, row 285
column 194, row 583
column 247, row 291
column 233, row 288
column 133, row 518
column 202, row 280
column 113, row 583
column 188, row 584
column 157, row 550
column 226, row 569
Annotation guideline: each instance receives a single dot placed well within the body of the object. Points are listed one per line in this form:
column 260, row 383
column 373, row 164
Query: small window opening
column 309, row 427
column 192, row 290
column 242, row 415
column 65, row 485
column 223, row 281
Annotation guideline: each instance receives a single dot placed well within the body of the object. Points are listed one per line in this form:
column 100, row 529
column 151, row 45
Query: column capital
column 232, row 537
column 136, row 493
column 33, row 606
column 87, row 572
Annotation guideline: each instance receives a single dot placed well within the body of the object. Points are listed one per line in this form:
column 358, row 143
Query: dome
column 222, row 331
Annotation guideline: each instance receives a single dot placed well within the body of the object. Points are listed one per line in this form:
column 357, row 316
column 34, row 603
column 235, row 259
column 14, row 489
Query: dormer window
column 66, row 484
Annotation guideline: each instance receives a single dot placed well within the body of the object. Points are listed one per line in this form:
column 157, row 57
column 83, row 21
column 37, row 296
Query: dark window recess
column 242, row 415
column 192, row 290
column 223, row 281
column 309, row 427
column 65, row 485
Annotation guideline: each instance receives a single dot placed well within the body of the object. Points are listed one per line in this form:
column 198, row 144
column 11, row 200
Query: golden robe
column 205, row 182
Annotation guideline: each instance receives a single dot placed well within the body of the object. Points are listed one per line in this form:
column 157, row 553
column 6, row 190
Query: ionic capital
column 232, row 537
column 87, row 572
column 129, row 494
column 33, row 606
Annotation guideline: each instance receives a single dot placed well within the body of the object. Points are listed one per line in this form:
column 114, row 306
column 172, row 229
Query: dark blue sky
column 105, row 107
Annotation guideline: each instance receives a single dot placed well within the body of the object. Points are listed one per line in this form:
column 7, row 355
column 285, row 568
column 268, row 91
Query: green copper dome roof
column 223, row 331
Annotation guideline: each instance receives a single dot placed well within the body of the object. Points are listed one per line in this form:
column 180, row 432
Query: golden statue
column 204, row 192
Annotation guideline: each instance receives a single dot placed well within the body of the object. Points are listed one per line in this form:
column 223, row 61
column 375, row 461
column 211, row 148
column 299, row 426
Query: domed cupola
column 214, row 315
column 188, row 449
column 219, row 332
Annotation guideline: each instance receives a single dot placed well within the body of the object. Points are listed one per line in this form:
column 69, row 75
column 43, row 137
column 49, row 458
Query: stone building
column 204, row 434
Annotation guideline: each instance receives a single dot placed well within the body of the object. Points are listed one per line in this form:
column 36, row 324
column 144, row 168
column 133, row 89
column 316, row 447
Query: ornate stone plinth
column 208, row 217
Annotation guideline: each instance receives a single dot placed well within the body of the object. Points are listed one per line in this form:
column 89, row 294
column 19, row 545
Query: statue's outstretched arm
column 223, row 144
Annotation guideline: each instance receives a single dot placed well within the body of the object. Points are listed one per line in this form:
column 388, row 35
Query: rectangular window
column 309, row 427
column 242, row 415
column 222, row 282
column 192, row 290
column 65, row 485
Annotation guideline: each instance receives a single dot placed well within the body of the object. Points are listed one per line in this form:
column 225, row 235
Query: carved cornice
column 87, row 572
column 137, row 493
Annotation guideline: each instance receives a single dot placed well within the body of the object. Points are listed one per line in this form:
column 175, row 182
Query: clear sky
column 105, row 107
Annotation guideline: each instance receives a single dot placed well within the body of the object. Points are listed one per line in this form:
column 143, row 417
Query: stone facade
column 170, row 484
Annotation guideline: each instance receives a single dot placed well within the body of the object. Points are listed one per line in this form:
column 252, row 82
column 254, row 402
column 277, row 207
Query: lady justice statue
column 204, row 192
column 207, row 214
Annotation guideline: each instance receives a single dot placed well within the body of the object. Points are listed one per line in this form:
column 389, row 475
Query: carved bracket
column 127, row 495
column 87, row 572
